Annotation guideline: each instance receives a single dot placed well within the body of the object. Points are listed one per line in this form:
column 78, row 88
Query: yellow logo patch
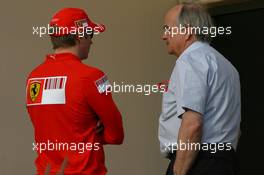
column 34, row 90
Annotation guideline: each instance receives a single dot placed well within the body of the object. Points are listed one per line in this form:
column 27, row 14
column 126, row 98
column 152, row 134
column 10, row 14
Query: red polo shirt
column 65, row 100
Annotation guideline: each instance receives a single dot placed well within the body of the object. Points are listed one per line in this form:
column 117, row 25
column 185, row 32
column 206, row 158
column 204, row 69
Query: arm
column 191, row 76
column 111, row 120
column 190, row 132
column 106, row 110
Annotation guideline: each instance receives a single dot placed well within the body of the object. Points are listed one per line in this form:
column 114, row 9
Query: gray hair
column 195, row 16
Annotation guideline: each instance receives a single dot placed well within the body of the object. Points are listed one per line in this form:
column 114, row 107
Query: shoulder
column 91, row 72
column 202, row 58
column 87, row 73
column 36, row 71
column 93, row 77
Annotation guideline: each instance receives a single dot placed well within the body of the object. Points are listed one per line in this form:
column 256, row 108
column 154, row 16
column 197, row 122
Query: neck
column 72, row 50
column 187, row 44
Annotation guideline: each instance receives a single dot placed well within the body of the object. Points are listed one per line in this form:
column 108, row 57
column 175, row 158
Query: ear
column 187, row 35
column 77, row 39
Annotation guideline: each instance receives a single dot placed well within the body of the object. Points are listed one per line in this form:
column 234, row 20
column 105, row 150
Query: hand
column 99, row 127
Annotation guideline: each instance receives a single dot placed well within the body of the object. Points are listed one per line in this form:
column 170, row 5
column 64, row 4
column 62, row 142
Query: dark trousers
column 206, row 163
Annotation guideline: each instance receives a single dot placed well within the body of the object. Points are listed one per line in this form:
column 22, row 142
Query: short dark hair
column 63, row 41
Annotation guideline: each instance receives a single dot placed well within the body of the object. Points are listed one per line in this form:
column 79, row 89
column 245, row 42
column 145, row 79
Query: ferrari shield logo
column 34, row 90
column 46, row 90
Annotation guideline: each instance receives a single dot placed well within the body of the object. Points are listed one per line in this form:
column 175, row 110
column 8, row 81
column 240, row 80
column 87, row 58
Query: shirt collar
column 61, row 57
column 193, row 46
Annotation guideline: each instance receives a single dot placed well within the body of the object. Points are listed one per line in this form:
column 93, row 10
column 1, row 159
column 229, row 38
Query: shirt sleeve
column 190, row 86
column 103, row 105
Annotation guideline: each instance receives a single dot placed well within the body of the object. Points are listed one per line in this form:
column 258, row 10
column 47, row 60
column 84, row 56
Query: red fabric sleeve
column 105, row 108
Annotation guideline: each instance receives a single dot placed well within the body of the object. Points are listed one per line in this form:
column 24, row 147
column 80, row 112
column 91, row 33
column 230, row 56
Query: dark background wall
column 244, row 48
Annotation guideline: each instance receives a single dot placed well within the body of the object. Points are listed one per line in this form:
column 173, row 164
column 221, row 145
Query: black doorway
column 245, row 48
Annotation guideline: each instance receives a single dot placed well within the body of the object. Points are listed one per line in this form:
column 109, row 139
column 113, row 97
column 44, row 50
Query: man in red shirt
column 72, row 115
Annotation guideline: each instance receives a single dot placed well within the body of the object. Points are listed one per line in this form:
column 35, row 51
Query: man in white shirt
column 201, row 111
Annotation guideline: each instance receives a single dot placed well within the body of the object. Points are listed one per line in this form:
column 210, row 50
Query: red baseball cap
column 69, row 20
